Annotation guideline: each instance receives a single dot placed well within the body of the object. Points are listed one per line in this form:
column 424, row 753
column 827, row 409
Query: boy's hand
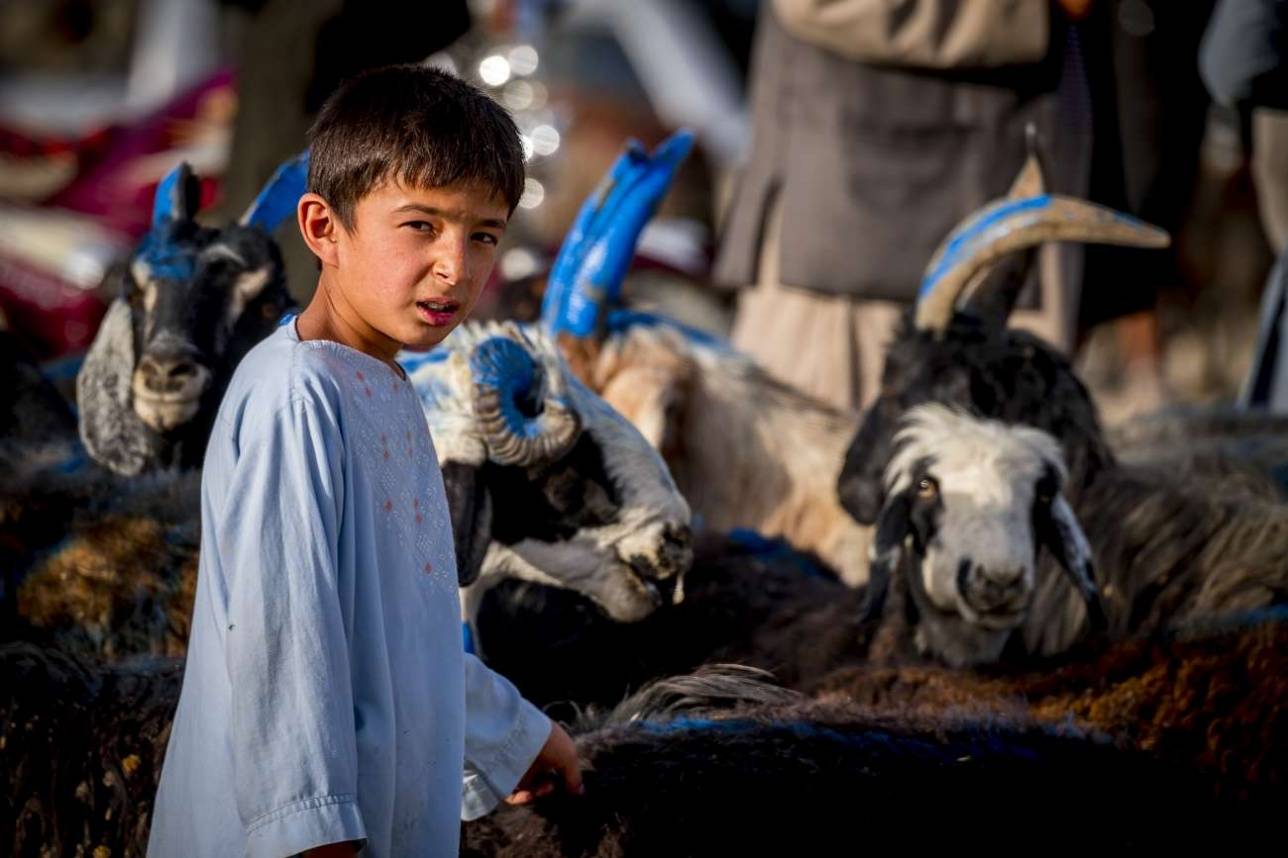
column 555, row 763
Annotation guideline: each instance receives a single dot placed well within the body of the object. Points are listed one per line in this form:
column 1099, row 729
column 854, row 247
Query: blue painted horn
column 521, row 420
column 1027, row 217
column 586, row 279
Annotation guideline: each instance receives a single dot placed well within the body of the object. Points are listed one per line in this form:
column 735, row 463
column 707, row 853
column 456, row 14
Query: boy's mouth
column 437, row 312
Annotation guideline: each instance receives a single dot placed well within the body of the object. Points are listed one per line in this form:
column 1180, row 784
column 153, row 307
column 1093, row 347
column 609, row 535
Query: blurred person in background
column 879, row 126
column 1243, row 65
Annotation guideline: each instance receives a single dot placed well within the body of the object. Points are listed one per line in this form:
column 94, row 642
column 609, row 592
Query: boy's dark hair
column 417, row 124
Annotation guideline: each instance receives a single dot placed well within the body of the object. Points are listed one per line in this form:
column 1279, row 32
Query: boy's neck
column 329, row 317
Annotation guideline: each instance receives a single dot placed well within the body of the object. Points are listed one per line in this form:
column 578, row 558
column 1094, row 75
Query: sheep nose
column 167, row 374
column 988, row 589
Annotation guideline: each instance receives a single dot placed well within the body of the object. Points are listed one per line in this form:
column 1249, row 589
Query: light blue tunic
column 327, row 696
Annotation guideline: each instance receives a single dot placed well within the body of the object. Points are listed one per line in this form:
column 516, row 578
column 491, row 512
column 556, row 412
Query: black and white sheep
column 193, row 301
column 545, row 481
column 745, row 450
column 762, row 609
column 1166, row 550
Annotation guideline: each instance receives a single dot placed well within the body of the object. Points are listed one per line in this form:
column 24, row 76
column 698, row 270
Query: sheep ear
column 112, row 432
column 859, row 487
column 276, row 201
column 470, row 506
column 886, row 554
column 177, row 197
column 1064, row 538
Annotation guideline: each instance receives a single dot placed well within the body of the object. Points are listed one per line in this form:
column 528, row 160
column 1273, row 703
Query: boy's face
column 416, row 259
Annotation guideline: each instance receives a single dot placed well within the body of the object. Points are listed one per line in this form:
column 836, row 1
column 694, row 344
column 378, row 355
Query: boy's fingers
column 522, row 796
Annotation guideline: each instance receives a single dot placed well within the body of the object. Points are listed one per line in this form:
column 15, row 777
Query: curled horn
column 1010, row 225
column 588, row 272
column 521, row 421
column 276, row 201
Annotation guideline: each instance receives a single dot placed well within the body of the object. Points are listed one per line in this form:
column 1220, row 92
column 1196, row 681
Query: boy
column 327, row 704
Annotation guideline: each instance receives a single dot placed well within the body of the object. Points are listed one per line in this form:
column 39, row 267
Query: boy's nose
column 449, row 264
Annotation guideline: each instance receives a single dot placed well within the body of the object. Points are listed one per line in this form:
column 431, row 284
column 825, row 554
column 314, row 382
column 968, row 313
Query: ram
column 1167, row 549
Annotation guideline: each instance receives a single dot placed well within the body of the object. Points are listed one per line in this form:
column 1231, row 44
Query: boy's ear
column 319, row 226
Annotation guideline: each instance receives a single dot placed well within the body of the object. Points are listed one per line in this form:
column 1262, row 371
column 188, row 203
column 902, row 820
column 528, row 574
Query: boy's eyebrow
column 495, row 223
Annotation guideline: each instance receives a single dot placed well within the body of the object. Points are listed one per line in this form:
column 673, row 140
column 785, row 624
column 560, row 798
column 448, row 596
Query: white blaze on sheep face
column 980, row 497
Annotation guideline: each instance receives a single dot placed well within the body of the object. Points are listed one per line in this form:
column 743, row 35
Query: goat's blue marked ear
column 588, row 275
column 276, row 201
column 177, row 197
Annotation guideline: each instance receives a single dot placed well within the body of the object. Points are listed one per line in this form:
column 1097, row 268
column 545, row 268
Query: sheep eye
column 927, row 488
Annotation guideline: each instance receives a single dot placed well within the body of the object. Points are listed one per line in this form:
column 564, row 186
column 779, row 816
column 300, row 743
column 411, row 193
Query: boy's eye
column 420, row 225
column 485, row 237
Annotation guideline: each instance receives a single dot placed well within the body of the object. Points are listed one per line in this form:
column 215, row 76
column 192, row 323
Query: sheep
column 543, row 481
column 771, row 470
column 107, row 565
column 81, row 747
column 745, row 450
column 1208, row 697
column 1211, row 696
column 806, row 777
column 1166, row 550
column 193, row 301
column 801, row 626
column 698, row 765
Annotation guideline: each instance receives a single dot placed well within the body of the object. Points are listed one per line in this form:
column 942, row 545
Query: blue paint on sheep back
column 776, row 548
column 505, row 366
column 623, row 319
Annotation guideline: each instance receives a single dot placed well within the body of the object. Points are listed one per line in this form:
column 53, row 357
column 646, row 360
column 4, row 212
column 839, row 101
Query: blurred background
column 100, row 98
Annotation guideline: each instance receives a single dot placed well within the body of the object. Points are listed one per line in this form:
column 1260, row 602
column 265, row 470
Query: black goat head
column 193, row 300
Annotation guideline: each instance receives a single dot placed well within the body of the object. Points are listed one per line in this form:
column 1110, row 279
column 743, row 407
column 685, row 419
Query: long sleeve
column 503, row 734
column 931, row 34
column 292, row 723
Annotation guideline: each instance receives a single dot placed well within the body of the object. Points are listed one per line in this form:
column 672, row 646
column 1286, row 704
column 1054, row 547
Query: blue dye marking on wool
column 964, row 237
column 622, row 319
column 759, row 545
column 412, row 361
column 63, row 369
column 506, row 366
column 167, row 260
